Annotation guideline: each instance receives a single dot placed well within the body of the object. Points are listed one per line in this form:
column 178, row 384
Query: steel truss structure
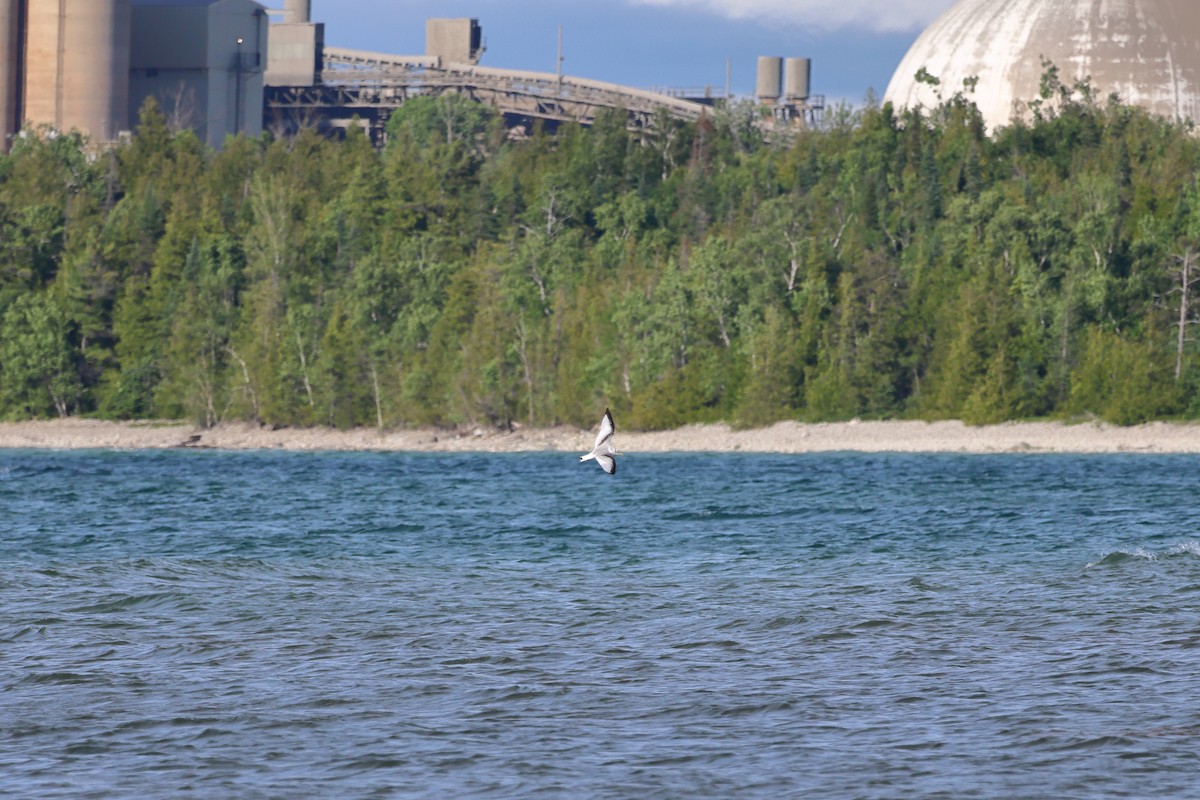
column 367, row 86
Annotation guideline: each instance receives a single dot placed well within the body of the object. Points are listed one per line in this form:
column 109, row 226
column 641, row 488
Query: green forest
column 879, row 265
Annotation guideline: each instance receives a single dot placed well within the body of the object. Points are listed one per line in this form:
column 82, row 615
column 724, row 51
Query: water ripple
column 197, row 624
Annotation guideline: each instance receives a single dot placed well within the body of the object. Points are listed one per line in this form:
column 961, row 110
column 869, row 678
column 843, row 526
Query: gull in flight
column 603, row 452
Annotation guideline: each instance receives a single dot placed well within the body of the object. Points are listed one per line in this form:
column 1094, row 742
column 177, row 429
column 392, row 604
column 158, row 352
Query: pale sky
column 855, row 45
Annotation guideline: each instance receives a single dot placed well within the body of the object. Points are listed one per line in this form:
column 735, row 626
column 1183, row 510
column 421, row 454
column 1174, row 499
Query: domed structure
column 1147, row 51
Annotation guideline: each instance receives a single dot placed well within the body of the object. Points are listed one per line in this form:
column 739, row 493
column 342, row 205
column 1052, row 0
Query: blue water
column 213, row 624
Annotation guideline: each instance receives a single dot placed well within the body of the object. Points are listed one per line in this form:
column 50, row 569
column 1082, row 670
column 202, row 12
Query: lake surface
column 261, row 624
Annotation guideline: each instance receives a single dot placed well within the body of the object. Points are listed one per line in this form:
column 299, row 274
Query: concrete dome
column 1147, row 51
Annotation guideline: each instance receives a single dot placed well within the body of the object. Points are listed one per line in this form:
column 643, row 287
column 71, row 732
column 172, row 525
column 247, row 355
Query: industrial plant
column 1145, row 51
column 90, row 64
column 223, row 67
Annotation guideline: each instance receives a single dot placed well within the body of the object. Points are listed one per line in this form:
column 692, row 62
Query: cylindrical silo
column 10, row 115
column 797, row 74
column 295, row 11
column 44, row 53
column 96, row 80
column 766, row 87
column 77, row 66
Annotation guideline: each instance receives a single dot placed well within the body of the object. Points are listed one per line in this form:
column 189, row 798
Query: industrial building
column 90, row 64
column 222, row 67
column 1146, row 51
column 204, row 62
column 295, row 47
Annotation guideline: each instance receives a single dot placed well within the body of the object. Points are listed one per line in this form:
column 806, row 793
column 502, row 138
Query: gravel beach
column 783, row 437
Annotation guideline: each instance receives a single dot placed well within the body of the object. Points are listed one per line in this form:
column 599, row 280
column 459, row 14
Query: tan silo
column 797, row 79
column 77, row 66
column 767, row 84
column 43, row 55
column 10, row 113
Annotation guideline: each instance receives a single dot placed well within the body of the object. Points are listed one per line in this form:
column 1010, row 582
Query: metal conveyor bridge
column 370, row 86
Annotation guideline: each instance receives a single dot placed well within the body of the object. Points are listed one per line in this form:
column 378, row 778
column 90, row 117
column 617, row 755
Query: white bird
column 603, row 452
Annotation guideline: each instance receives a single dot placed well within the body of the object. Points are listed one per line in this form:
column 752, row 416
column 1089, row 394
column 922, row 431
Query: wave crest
column 1124, row 555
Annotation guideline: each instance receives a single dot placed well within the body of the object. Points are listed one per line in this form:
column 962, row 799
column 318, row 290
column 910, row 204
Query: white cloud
column 874, row 15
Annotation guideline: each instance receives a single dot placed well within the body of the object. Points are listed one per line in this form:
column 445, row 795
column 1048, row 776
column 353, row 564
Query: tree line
column 881, row 265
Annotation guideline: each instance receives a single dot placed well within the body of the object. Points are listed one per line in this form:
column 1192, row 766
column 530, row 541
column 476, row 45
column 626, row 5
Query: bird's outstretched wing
column 607, row 463
column 606, row 432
